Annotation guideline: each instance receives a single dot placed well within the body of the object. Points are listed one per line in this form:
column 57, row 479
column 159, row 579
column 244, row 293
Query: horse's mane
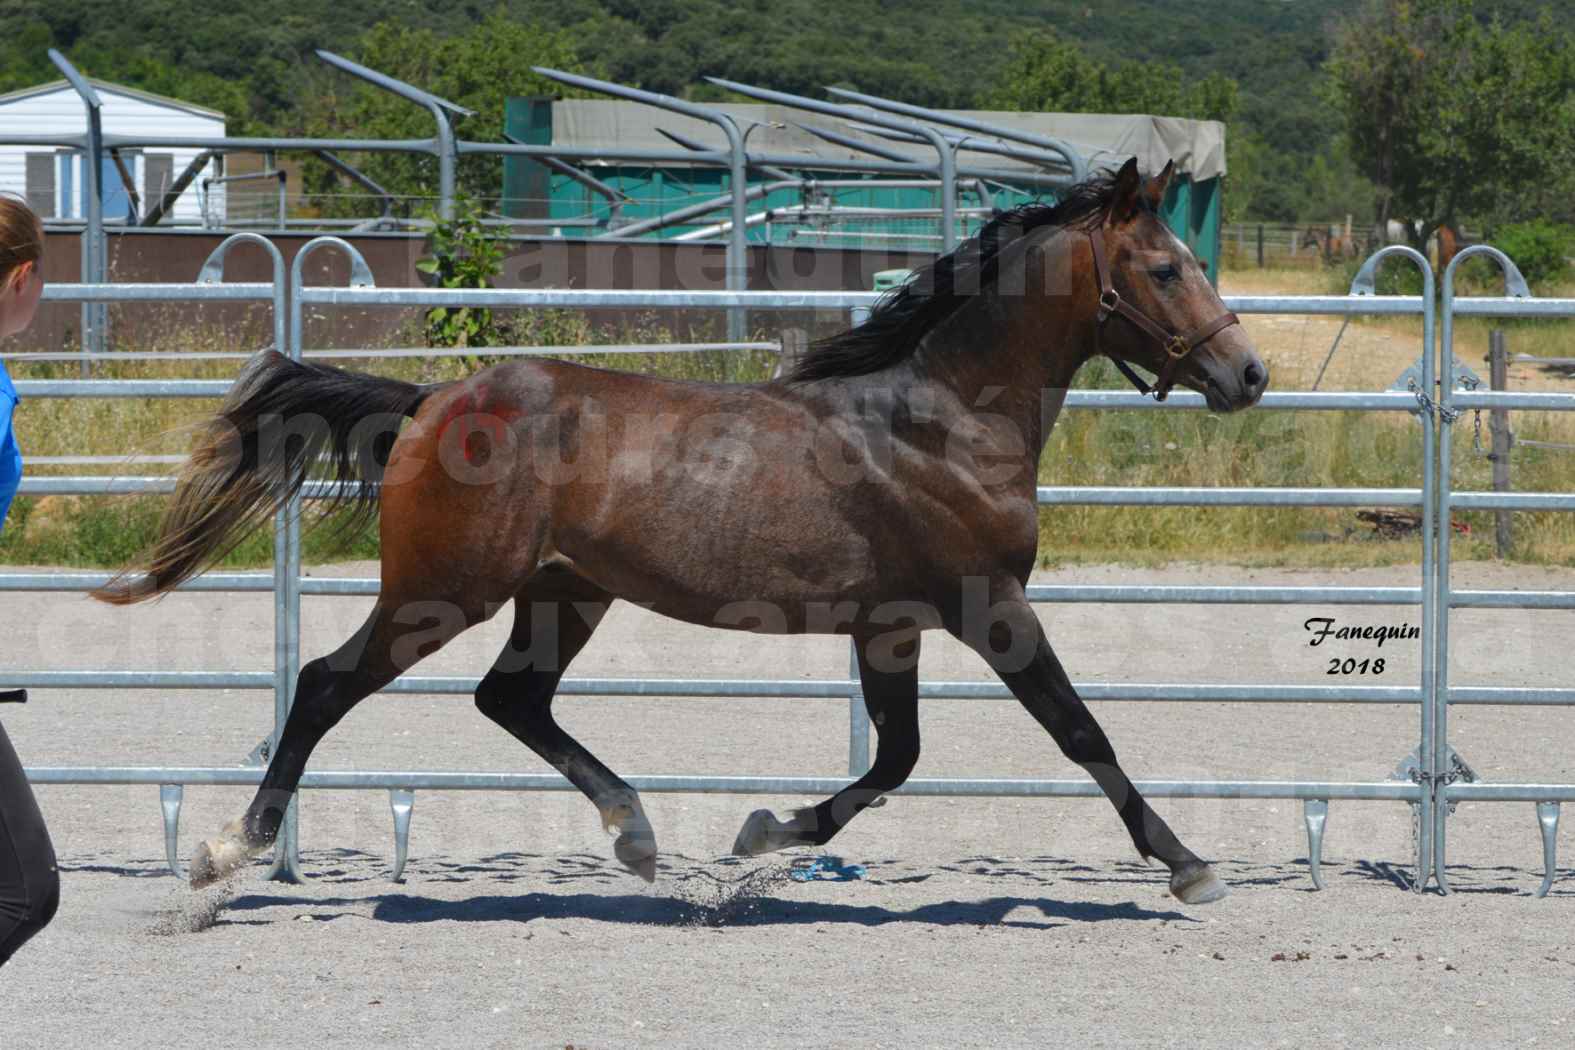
column 904, row 315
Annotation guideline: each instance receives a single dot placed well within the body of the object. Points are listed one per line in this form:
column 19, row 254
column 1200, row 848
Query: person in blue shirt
column 29, row 881
column 10, row 455
column 21, row 285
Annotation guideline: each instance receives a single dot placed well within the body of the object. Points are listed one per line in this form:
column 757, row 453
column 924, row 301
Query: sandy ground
column 981, row 922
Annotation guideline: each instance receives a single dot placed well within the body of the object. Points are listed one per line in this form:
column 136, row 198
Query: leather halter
column 1176, row 347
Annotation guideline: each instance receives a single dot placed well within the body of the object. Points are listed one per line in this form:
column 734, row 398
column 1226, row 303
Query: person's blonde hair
column 21, row 237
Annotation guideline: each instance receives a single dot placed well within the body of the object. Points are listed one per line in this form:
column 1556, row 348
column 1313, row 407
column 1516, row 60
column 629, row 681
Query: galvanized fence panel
column 288, row 584
column 1453, row 780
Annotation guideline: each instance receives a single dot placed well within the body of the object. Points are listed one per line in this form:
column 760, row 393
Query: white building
column 52, row 179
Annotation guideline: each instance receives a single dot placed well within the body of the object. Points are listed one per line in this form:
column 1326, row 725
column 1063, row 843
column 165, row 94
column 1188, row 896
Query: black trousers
column 29, row 883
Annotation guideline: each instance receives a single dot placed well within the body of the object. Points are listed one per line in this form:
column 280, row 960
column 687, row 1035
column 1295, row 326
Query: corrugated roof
column 113, row 89
column 1105, row 140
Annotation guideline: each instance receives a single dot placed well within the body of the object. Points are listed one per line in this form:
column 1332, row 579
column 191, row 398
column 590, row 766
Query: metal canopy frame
column 1075, row 163
column 447, row 148
column 440, row 108
column 946, row 157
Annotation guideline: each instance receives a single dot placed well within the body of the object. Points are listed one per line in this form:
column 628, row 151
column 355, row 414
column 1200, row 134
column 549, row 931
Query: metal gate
column 1430, row 786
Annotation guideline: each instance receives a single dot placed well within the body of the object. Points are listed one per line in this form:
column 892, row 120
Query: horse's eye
column 1165, row 274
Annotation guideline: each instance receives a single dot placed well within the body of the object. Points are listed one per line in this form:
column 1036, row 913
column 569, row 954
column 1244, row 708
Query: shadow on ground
column 656, row 910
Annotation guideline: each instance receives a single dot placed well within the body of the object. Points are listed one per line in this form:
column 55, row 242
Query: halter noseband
column 1176, row 346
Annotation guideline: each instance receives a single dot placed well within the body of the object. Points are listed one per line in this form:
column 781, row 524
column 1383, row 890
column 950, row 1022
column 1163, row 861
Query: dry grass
column 1111, row 448
column 1306, row 449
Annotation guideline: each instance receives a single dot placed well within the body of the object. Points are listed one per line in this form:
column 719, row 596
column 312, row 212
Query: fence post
column 1260, row 245
column 858, row 718
column 795, row 344
column 1498, row 423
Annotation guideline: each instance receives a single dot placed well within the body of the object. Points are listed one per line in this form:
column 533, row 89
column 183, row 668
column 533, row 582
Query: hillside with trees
column 1270, row 70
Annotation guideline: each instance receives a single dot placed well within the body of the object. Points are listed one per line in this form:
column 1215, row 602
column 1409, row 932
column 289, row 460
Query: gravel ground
column 1009, row 922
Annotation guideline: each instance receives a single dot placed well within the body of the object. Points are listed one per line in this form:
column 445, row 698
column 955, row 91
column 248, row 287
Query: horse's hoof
column 214, row 861
column 1197, row 884
column 637, row 852
column 762, row 833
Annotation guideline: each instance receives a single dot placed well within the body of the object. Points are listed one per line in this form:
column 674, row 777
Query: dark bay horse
column 884, row 488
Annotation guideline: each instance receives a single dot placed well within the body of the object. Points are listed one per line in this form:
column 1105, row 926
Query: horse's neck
column 998, row 358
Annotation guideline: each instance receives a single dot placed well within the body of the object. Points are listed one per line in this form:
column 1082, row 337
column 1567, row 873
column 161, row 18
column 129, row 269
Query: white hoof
column 1197, row 885
column 761, row 833
column 216, row 860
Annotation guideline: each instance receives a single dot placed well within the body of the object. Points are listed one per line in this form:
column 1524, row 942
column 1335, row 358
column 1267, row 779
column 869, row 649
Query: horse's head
column 1157, row 308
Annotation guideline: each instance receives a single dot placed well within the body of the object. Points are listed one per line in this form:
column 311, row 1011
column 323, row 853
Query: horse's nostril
column 1252, row 375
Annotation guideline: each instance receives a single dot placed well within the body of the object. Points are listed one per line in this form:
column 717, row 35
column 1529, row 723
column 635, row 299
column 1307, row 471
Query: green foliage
column 1540, row 248
column 464, row 254
column 23, row 63
column 478, row 69
column 1451, row 117
column 1258, row 64
column 1396, row 276
column 1049, row 74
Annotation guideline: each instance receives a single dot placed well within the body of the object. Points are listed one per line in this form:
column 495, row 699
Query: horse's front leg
column 1008, row 635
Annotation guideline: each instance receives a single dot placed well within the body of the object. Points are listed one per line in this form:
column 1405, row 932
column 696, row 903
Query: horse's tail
column 281, row 418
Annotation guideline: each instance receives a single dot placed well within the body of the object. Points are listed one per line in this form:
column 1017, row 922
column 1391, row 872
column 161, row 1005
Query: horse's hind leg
column 325, row 691
column 889, row 674
column 552, row 622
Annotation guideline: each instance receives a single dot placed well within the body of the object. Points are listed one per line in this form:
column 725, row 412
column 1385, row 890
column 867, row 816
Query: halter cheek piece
column 1176, row 347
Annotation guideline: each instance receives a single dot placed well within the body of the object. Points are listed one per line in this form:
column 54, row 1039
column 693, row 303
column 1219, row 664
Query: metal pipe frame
column 737, row 265
column 1364, row 285
column 803, row 212
column 849, row 142
column 699, row 147
column 288, row 585
column 616, row 198
column 364, row 180
column 636, row 156
column 1075, row 164
column 447, row 150
column 130, row 185
column 947, row 159
column 974, row 144
column 95, row 318
column 948, row 787
column 778, row 165
column 682, row 215
column 608, row 298
column 277, row 174
column 176, row 188
column 1448, row 787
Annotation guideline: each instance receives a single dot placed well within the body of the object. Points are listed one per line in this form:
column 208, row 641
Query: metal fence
column 1426, row 780
column 1454, row 779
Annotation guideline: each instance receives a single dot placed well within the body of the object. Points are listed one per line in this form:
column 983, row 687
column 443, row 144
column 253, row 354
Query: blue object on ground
column 825, row 869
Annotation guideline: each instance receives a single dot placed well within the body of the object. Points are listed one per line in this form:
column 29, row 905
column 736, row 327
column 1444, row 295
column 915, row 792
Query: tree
column 1048, row 74
column 478, row 69
column 1452, row 118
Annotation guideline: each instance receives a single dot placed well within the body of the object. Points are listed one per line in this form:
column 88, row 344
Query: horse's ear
column 1124, row 201
column 1154, row 192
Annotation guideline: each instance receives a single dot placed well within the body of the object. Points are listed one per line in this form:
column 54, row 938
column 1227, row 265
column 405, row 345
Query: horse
column 885, row 487
column 1331, row 243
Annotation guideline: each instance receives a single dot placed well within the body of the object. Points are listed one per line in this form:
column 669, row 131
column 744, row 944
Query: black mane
column 903, row 316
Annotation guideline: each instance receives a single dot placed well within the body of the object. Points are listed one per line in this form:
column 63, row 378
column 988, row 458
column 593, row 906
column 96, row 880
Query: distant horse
column 885, row 487
column 1331, row 242
column 1449, row 244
